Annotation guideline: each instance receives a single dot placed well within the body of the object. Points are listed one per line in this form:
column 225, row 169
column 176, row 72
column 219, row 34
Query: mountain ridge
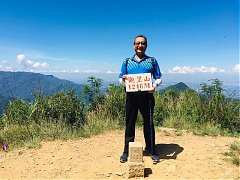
column 23, row 85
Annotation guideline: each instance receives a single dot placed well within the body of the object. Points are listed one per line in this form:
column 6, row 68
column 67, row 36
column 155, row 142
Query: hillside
column 176, row 87
column 24, row 84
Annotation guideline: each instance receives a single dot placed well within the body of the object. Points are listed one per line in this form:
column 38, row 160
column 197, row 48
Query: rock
column 135, row 170
column 20, row 153
column 119, row 174
column 135, row 152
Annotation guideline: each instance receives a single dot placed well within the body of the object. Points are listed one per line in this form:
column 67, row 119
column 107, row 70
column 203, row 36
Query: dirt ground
column 182, row 157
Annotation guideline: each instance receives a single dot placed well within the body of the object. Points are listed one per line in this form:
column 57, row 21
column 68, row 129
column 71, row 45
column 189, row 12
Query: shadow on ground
column 168, row 151
column 147, row 172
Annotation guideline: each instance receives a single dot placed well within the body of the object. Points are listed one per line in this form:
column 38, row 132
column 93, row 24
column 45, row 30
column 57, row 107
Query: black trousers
column 144, row 102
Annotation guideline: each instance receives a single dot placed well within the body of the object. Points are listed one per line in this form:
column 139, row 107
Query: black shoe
column 124, row 158
column 155, row 159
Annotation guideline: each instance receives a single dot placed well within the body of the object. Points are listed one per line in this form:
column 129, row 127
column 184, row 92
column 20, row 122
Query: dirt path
column 182, row 157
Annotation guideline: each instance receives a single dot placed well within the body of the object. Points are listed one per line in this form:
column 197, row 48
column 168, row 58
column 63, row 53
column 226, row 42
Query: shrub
column 18, row 112
column 63, row 107
column 234, row 153
column 114, row 104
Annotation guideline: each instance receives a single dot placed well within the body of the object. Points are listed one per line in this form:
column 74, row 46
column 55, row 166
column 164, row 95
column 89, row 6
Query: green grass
column 197, row 128
column 30, row 136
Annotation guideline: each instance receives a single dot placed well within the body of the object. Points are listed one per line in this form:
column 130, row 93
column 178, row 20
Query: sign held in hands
column 139, row 82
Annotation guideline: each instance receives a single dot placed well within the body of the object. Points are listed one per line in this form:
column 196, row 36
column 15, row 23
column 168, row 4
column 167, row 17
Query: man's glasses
column 138, row 43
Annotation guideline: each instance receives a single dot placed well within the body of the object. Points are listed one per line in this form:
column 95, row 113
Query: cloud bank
column 189, row 69
column 6, row 68
column 28, row 63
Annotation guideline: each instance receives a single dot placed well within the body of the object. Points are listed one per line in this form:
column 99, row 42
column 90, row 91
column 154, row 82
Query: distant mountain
column 24, row 84
column 179, row 87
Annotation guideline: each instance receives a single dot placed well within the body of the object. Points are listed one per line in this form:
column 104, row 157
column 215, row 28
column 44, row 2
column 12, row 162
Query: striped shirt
column 145, row 65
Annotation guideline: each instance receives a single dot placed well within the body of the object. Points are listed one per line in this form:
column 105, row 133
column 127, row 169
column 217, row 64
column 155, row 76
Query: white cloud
column 30, row 64
column 90, row 71
column 189, row 69
column 63, row 71
column 20, row 57
column 236, row 68
column 76, row 71
column 6, row 68
column 111, row 72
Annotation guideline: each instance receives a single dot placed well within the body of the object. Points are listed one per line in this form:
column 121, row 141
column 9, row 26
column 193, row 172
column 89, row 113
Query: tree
column 92, row 92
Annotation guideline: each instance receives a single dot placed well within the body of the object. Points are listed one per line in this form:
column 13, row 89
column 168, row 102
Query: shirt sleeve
column 123, row 69
column 156, row 70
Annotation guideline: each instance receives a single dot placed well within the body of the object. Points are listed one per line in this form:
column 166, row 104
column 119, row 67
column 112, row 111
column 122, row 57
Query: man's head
column 140, row 45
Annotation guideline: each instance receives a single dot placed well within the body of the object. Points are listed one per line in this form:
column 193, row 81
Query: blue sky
column 187, row 36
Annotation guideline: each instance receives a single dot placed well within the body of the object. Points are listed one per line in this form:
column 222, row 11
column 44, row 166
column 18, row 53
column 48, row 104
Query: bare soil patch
column 182, row 157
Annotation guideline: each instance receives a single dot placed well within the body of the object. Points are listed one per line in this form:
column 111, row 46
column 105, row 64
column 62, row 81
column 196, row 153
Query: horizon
column 230, row 90
column 167, row 79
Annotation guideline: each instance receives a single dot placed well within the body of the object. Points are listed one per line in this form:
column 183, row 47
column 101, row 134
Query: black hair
column 140, row 35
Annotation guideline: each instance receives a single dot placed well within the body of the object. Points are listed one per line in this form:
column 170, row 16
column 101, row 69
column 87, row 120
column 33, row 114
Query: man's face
column 140, row 45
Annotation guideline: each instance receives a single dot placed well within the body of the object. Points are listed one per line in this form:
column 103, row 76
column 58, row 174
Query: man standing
column 141, row 100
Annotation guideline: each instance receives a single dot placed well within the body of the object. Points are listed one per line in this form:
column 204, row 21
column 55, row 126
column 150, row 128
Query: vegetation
column 207, row 112
column 65, row 115
column 234, row 153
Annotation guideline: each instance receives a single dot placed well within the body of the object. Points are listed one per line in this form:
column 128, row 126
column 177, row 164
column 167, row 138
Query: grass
column 31, row 135
column 234, row 153
column 206, row 128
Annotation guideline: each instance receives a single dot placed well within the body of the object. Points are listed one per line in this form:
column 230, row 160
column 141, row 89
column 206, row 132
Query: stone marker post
column 136, row 165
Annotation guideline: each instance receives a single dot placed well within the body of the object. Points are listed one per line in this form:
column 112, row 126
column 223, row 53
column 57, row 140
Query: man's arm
column 123, row 72
column 156, row 70
column 156, row 75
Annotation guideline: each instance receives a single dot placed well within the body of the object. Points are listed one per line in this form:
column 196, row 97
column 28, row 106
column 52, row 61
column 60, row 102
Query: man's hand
column 155, row 84
column 122, row 80
column 152, row 90
column 124, row 77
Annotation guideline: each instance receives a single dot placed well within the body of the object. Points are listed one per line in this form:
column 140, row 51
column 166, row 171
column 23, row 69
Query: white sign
column 139, row 82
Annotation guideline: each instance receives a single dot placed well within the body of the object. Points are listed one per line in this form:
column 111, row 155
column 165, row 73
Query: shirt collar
column 139, row 60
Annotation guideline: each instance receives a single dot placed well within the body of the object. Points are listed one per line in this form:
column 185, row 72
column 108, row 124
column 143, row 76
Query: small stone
column 119, row 174
column 108, row 174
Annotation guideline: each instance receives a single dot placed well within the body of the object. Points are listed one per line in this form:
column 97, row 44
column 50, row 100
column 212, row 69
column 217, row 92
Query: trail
column 182, row 157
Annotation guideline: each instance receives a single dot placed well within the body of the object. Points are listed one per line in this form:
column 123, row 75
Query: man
column 141, row 100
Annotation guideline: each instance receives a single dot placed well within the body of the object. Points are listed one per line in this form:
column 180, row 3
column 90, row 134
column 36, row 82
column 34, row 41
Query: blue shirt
column 145, row 65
